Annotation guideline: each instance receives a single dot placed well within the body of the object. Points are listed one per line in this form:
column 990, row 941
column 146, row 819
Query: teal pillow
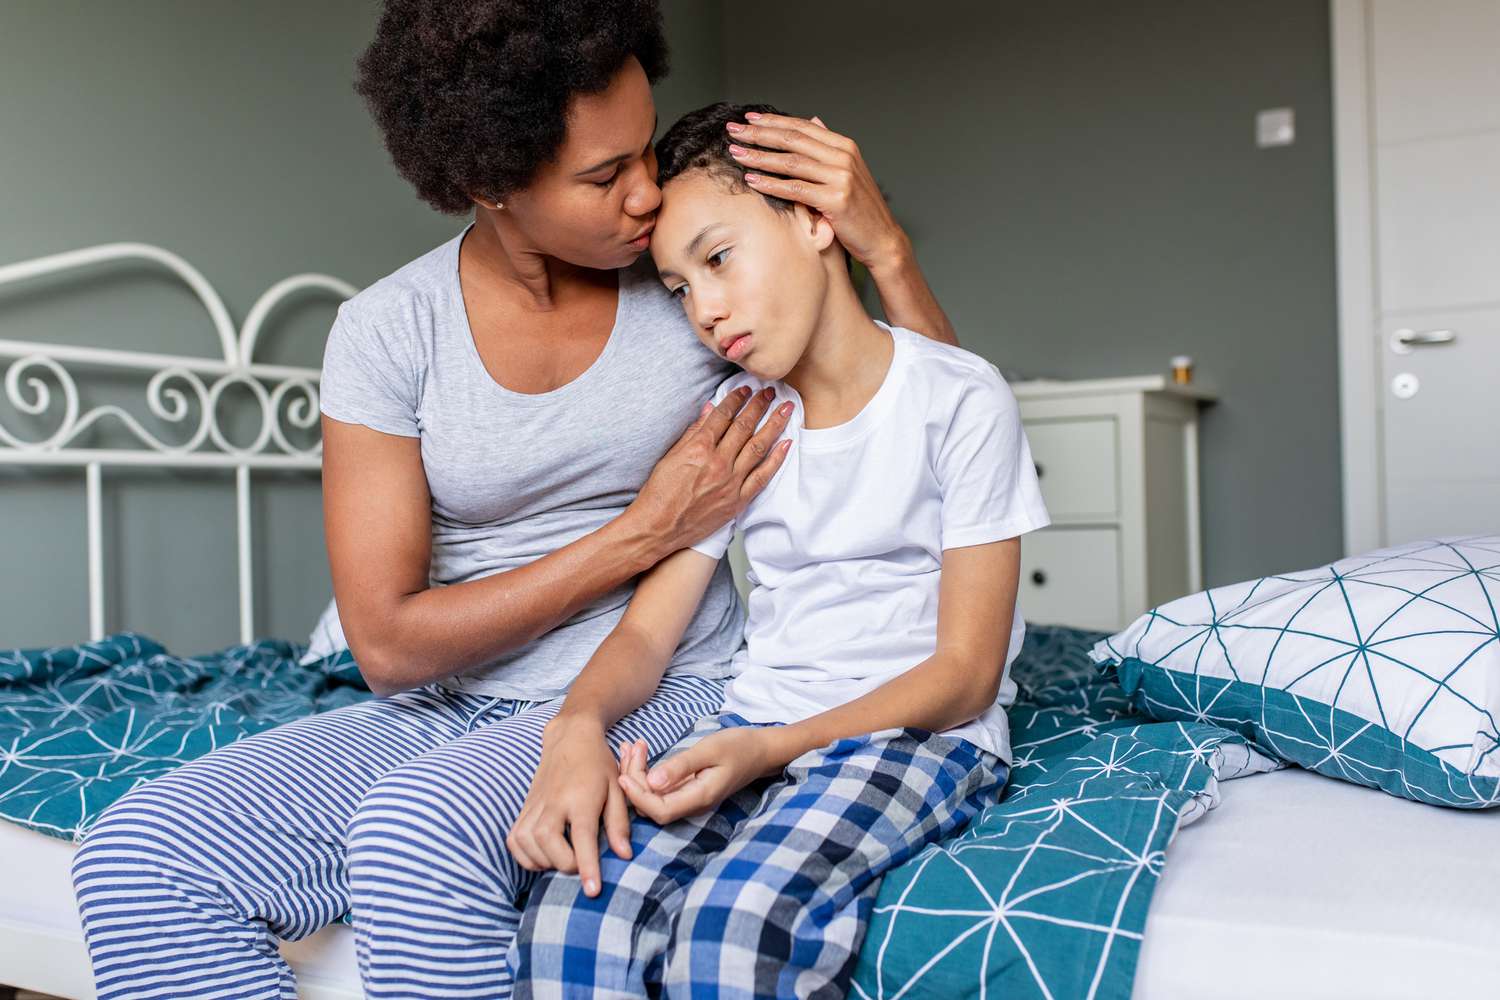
column 1381, row 669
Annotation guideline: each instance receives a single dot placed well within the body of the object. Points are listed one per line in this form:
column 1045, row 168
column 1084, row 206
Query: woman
column 495, row 418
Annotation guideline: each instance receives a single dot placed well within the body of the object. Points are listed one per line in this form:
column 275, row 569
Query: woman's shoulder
column 413, row 289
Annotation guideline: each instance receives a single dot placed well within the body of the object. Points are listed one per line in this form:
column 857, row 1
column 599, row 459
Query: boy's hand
column 573, row 788
column 700, row 777
column 826, row 172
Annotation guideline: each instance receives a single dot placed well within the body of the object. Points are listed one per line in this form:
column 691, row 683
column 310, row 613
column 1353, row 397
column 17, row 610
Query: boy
column 866, row 715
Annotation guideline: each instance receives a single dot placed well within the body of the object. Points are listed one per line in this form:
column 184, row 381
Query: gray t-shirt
column 514, row 476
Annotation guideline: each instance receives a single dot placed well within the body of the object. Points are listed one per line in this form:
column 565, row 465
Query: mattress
column 41, row 945
column 1296, row 886
column 1300, row 886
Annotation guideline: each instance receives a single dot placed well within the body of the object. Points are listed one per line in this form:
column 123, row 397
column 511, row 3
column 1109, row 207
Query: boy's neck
column 846, row 360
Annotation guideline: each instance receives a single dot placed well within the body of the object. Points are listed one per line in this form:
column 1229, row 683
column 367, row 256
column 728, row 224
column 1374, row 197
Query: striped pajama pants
column 766, row 896
column 394, row 810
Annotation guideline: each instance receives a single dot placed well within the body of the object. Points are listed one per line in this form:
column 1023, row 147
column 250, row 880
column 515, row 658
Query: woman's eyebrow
column 622, row 157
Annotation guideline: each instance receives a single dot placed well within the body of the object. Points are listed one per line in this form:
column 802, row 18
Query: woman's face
column 595, row 203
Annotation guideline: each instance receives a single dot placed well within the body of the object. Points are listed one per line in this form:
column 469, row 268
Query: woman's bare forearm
column 905, row 296
column 441, row 631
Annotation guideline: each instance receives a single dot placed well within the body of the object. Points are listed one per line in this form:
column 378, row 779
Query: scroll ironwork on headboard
column 287, row 397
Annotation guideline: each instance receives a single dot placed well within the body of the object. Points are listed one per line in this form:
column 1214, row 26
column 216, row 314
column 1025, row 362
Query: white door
column 1435, row 115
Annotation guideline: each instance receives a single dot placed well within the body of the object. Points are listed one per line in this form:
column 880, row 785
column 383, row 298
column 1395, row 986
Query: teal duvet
column 1044, row 895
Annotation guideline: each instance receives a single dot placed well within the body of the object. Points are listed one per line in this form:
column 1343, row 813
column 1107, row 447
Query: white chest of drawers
column 1117, row 461
column 1118, row 465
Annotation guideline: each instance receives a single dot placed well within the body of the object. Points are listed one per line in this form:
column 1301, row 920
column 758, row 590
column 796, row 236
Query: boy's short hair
column 699, row 141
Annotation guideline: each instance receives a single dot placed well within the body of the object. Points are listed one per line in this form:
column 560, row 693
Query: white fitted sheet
column 1301, row 886
column 1296, row 886
column 41, row 943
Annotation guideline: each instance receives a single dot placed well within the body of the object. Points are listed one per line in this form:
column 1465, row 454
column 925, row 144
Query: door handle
column 1402, row 341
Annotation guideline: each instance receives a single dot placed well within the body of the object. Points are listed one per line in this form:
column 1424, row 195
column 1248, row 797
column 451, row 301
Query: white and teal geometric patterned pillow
column 1381, row 669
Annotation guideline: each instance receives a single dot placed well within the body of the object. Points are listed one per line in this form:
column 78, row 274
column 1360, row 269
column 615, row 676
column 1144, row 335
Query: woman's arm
column 377, row 516
column 825, row 171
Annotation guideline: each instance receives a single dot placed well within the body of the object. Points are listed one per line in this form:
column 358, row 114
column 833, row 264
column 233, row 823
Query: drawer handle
column 1039, row 470
column 1038, row 577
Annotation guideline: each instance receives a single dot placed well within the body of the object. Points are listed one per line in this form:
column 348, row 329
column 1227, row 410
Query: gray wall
column 1082, row 185
column 227, row 133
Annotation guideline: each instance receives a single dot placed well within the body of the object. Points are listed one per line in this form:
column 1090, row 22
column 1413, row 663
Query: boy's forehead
column 692, row 202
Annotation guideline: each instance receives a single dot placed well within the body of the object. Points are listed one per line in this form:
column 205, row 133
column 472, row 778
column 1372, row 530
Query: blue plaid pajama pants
column 769, row 894
column 395, row 809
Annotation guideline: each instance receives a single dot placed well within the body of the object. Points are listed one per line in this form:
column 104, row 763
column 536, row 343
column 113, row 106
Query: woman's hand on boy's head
column 824, row 171
column 696, row 779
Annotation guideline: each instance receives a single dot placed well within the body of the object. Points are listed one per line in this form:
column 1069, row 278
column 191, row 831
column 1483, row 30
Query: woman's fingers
column 759, row 447
column 824, row 198
column 721, row 418
column 703, row 413
column 809, row 167
column 773, row 130
column 743, row 426
column 763, row 473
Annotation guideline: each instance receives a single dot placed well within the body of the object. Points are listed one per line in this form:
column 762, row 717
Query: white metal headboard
column 29, row 392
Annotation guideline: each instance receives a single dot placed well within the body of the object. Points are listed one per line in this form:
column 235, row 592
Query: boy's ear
column 816, row 225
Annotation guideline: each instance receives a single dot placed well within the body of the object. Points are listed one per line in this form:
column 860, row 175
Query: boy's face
column 751, row 278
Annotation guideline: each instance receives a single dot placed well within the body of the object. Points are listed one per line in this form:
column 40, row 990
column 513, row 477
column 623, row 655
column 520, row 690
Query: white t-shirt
column 846, row 543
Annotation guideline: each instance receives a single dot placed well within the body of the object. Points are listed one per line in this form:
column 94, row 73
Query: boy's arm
column 574, row 786
column 976, row 601
column 627, row 666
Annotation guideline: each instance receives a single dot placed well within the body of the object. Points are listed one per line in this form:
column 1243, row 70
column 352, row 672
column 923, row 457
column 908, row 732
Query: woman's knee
column 418, row 823
column 137, row 838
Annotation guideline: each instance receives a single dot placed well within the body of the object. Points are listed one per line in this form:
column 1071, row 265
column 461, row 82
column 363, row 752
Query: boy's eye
column 717, row 259
column 678, row 292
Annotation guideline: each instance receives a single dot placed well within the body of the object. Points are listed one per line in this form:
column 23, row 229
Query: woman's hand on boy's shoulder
column 699, row 778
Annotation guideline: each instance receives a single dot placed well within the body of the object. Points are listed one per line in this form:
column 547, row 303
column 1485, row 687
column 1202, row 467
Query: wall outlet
column 1275, row 127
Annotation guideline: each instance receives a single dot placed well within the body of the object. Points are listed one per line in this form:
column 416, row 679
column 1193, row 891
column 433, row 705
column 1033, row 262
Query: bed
column 1234, row 877
column 1335, row 924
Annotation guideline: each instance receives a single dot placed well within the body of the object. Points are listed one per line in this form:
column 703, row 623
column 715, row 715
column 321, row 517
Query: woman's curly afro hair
column 472, row 95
